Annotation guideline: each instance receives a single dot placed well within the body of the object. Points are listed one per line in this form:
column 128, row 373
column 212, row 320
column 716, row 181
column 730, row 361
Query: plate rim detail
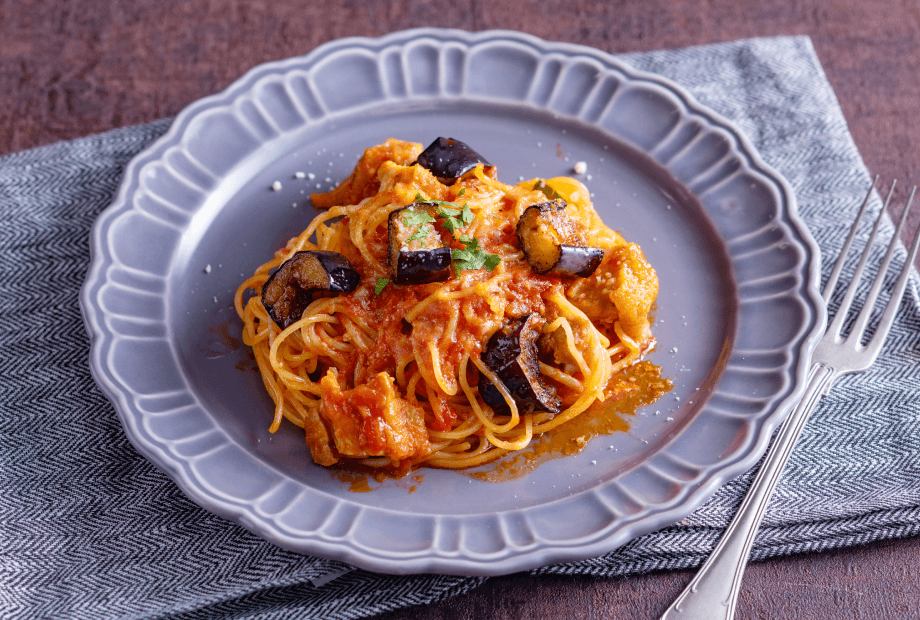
column 512, row 557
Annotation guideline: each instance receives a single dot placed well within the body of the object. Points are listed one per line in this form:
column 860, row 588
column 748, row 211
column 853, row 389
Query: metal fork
column 713, row 592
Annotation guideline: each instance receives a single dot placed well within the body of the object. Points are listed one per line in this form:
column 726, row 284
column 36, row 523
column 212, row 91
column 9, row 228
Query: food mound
column 433, row 315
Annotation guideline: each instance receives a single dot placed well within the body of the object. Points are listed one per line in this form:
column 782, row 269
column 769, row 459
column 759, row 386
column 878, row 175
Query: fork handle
column 713, row 592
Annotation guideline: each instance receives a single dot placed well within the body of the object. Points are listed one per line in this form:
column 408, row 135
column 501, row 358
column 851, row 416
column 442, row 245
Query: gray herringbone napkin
column 89, row 529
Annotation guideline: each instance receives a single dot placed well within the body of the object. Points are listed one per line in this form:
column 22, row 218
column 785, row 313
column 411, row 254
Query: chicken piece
column 622, row 289
column 635, row 292
column 363, row 182
column 372, row 420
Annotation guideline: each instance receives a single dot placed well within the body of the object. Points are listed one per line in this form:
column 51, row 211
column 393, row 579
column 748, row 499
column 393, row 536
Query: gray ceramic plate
column 737, row 317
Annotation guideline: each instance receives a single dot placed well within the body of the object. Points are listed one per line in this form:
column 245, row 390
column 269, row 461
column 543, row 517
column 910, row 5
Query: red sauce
column 632, row 389
column 636, row 387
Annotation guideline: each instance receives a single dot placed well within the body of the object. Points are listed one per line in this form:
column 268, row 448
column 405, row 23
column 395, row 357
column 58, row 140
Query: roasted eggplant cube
column 511, row 354
column 449, row 159
column 294, row 285
column 416, row 252
column 551, row 241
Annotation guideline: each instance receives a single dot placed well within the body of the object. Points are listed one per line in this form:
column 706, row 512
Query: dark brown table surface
column 71, row 69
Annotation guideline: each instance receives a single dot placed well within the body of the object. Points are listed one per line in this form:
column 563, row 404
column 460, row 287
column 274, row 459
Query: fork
column 713, row 592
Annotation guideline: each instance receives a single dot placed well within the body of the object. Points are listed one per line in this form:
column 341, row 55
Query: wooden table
column 82, row 67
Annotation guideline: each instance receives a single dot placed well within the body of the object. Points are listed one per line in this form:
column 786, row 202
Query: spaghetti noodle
column 395, row 375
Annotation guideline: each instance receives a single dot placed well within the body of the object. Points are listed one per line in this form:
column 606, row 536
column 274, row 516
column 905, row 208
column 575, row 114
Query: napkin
column 90, row 529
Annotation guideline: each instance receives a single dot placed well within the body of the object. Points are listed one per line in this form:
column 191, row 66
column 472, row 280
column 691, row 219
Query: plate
column 737, row 317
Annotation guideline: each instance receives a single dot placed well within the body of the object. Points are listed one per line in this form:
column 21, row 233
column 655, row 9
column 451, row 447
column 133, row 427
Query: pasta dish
column 434, row 315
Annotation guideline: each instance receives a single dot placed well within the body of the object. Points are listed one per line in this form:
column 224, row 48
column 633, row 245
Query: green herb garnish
column 422, row 221
column 453, row 218
column 381, row 284
column 420, row 233
column 547, row 190
column 472, row 256
column 413, row 217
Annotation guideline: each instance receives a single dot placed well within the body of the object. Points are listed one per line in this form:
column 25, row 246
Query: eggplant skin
column 420, row 261
column 551, row 241
column 449, row 159
column 294, row 285
column 578, row 261
column 511, row 354
column 422, row 266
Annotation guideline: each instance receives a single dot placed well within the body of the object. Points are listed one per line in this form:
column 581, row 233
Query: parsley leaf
column 466, row 216
column 454, row 221
column 450, row 225
column 422, row 220
column 455, row 218
column 547, row 190
column 468, row 259
column 381, row 284
column 451, row 222
column 420, row 233
column 443, row 203
column 472, row 256
column 491, row 261
column 447, row 211
column 415, row 217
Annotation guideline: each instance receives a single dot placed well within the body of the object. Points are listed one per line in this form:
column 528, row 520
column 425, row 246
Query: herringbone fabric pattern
column 89, row 529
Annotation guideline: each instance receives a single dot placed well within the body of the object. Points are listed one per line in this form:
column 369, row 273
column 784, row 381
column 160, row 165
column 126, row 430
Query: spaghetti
column 398, row 375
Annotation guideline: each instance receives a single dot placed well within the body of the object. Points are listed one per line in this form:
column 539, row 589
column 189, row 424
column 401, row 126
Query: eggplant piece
column 296, row 283
column 511, row 354
column 416, row 252
column 449, row 159
column 552, row 241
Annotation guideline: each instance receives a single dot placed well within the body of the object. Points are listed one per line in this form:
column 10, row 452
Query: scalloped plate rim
column 602, row 541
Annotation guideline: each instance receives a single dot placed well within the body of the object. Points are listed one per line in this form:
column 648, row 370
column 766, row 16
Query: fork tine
column 863, row 319
column 881, row 332
column 837, row 325
column 841, row 259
